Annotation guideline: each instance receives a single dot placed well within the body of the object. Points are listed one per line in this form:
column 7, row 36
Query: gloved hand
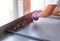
column 35, row 15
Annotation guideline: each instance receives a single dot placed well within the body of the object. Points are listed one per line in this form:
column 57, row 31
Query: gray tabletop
column 44, row 28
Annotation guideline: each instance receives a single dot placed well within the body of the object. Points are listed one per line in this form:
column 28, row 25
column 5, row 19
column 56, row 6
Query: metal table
column 44, row 28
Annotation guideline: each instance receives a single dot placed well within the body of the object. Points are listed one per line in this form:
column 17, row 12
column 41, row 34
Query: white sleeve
column 52, row 2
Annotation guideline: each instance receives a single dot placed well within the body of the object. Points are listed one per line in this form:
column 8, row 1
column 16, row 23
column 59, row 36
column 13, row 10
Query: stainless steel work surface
column 45, row 28
column 13, row 37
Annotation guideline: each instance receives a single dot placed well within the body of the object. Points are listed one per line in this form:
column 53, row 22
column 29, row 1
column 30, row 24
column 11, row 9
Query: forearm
column 48, row 11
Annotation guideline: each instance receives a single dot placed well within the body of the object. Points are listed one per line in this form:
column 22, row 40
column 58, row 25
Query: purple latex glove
column 35, row 15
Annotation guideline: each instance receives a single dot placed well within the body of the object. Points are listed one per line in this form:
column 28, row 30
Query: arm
column 48, row 11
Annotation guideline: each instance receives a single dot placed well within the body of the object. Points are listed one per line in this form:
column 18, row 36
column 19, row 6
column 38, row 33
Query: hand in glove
column 35, row 15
